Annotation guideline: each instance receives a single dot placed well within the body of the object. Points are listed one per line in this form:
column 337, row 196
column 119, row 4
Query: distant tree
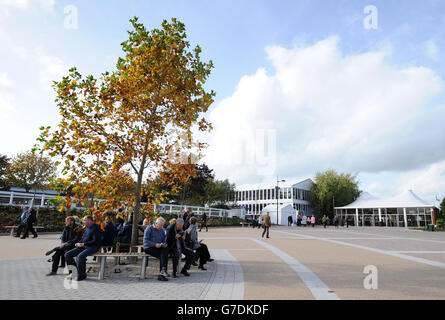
column 217, row 193
column 332, row 188
column 4, row 161
column 201, row 189
column 30, row 171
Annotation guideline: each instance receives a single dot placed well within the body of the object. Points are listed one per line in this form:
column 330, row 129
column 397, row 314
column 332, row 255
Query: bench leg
column 12, row 232
column 143, row 267
column 102, row 267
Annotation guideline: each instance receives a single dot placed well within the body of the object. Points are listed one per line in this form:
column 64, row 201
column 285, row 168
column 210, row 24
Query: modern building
column 404, row 210
column 255, row 197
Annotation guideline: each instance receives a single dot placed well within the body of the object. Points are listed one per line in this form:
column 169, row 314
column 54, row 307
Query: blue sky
column 235, row 35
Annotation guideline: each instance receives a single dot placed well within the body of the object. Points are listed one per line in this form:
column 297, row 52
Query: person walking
column 204, row 222
column 324, row 221
column 304, row 221
column 29, row 224
column 266, row 225
column 335, row 221
column 289, row 221
column 22, row 223
column 313, row 221
column 254, row 222
column 298, row 221
column 260, row 221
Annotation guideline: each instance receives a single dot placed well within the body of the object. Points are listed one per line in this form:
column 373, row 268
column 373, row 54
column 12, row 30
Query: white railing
column 12, row 198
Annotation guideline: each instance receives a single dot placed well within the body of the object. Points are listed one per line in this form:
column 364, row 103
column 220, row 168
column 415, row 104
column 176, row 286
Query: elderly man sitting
column 175, row 244
column 155, row 244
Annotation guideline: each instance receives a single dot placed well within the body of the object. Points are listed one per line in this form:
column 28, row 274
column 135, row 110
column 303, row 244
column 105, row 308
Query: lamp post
column 277, row 190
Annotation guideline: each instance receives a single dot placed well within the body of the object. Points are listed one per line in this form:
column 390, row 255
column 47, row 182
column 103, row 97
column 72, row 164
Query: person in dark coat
column 70, row 236
column 188, row 215
column 109, row 233
column 23, row 218
column 176, row 247
column 88, row 245
column 29, row 224
column 204, row 222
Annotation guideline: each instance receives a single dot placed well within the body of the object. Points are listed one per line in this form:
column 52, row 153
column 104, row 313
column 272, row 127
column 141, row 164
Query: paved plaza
column 295, row 263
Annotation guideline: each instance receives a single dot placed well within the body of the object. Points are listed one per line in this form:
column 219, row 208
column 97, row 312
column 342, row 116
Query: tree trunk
column 137, row 206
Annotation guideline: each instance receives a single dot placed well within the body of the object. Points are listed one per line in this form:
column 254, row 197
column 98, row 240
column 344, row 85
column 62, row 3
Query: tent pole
column 356, row 217
column 405, row 220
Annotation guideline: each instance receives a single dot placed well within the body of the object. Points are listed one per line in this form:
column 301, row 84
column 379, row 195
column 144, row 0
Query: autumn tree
column 30, row 171
column 134, row 124
column 4, row 162
column 331, row 188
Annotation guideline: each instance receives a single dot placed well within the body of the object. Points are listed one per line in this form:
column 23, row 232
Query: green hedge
column 49, row 218
column 54, row 221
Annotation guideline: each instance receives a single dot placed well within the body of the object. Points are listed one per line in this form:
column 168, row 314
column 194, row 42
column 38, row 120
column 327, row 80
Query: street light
column 277, row 190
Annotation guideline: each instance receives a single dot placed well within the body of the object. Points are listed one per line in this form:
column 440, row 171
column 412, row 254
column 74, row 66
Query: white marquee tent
column 284, row 211
column 406, row 209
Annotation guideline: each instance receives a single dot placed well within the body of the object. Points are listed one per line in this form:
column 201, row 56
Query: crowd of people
column 179, row 238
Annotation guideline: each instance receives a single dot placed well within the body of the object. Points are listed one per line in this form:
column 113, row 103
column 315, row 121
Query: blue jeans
column 81, row 254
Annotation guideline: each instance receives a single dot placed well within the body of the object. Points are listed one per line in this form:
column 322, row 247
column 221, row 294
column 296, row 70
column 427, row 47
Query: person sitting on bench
column 109, row 233
column 70, row 236
column 193, row 243
column 175, row 245
column 155, row 244
column 89, row 245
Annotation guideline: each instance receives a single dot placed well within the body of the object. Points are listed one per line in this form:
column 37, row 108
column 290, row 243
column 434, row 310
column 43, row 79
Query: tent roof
column 407, row 199
column 273, row 207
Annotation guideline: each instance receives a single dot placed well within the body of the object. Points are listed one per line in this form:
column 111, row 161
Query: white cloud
column 51, row 69
column 431, row 50
column 47, row 5
column 352, row 113
column 4, row 80
column 427, row 182
column 7, row 104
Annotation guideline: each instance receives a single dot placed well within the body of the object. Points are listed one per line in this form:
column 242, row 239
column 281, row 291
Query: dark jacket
column 92, row 236
column 187, row 221
column 125, row 232
column 32, row 218
column 71, row 236
column 171, row 238
column 109, row 234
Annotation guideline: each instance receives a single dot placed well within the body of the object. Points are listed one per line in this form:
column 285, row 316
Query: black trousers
column 30, row 227
column 58, row 255
column 21, row 227
column 161, row 254
column 175, row 258
column 204, row 254
column 204, row 224
column 266, row 230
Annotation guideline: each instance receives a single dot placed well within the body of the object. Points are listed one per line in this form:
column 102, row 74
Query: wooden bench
column 13, row 227
column 245, row 223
